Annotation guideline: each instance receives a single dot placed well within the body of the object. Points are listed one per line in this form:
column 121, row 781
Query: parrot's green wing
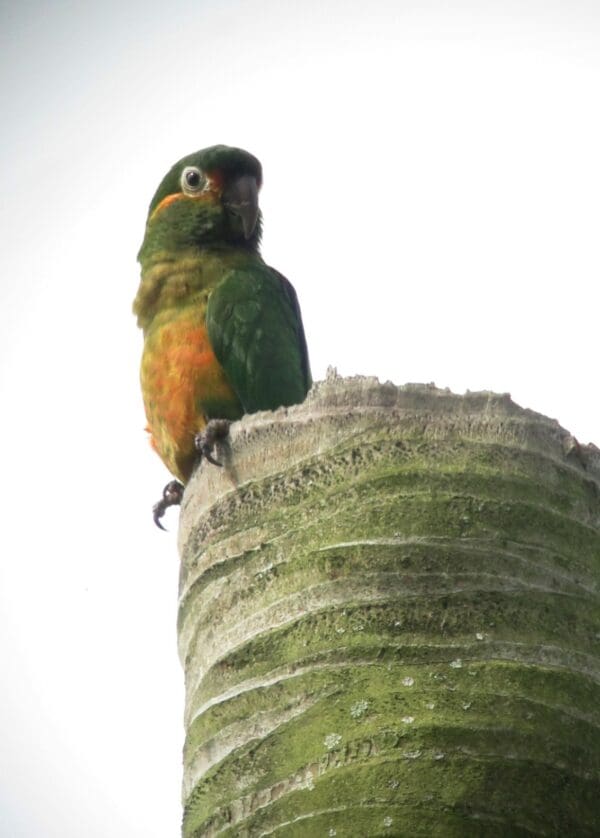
column 255, row 328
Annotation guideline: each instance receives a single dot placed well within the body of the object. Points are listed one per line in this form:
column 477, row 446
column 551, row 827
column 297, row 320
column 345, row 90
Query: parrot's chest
column 183, row 386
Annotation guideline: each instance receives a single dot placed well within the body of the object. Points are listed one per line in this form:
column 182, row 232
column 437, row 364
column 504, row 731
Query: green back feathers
column 255, row 329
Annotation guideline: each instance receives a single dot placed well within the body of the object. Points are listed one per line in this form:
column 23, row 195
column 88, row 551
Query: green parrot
column 223, row 334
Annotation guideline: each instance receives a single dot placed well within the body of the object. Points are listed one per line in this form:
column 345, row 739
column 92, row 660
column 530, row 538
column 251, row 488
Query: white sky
column 432, row 183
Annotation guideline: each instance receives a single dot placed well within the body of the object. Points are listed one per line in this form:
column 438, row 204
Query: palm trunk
column 390, row 621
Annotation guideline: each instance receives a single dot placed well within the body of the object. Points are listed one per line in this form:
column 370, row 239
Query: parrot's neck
column 177, row 278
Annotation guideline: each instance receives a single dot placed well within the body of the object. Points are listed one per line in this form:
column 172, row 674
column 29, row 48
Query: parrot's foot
column 216, row 430
column 171, row 496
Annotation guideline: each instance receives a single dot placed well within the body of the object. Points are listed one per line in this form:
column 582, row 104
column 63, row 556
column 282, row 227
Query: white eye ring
column 192, row 180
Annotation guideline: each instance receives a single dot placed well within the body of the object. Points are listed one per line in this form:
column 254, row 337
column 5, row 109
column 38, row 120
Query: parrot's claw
column 171, row 496
column 215, row 430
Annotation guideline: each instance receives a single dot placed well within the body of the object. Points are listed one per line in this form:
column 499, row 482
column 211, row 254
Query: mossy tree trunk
column 390, row 621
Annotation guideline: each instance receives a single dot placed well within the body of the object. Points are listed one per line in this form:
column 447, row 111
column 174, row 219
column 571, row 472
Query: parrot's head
column 209, row 198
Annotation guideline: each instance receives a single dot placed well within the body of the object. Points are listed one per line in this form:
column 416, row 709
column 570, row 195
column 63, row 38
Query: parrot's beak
column 241, row 198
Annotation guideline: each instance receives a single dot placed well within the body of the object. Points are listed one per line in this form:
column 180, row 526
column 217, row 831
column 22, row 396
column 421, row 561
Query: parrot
column 223, row 331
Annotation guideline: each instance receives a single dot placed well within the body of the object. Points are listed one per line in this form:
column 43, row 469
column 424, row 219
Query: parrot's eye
column 192, row 180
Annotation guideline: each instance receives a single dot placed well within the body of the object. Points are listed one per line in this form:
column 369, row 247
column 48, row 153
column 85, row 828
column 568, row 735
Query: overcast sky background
column 432, row 190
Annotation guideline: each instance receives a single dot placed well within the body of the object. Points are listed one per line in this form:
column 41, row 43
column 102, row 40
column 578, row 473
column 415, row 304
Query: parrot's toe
column 216, row 430
column 171, row 496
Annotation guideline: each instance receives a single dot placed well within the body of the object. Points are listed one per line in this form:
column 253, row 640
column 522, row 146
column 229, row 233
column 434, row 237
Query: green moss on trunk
column 389, row 621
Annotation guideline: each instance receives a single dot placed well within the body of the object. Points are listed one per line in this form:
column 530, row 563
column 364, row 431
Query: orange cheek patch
column 170, row 199
column 212, row 192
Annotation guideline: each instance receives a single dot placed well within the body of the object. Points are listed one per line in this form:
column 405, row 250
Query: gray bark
column 390, row 621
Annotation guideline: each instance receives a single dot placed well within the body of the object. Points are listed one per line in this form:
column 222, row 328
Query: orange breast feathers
column 183, row 386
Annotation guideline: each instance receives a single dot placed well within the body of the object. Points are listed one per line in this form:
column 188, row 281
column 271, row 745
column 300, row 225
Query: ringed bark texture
column 390, row 621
